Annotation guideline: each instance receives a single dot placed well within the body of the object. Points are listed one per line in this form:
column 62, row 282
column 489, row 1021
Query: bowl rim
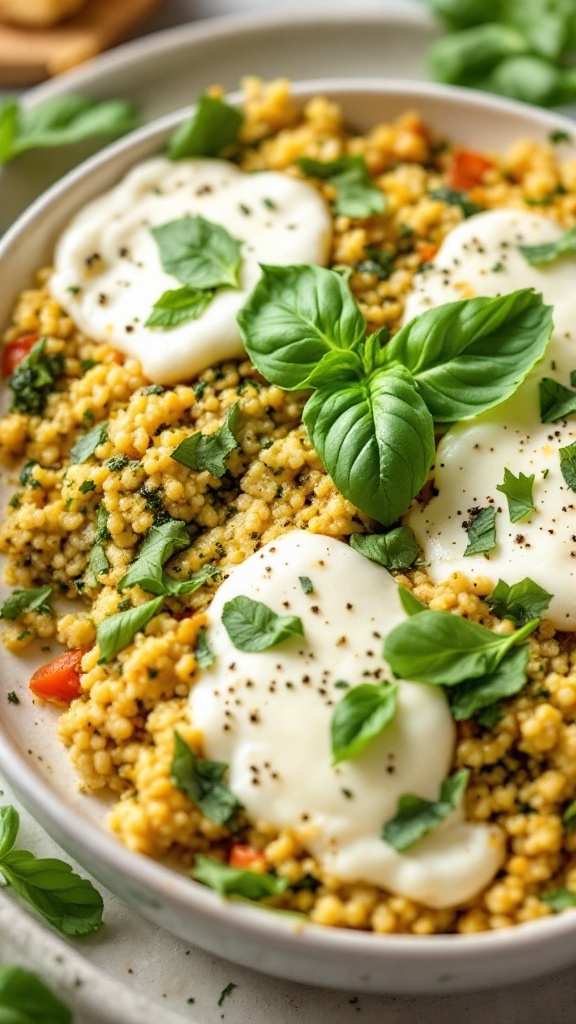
column 160, row 880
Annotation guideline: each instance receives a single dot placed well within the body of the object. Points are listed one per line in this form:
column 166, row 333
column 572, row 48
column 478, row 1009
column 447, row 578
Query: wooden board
column 31, row 55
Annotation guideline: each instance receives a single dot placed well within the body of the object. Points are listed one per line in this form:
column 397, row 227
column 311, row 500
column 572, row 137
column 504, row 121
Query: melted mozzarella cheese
column 267, row 715
column 481, row 257
column 108, row 272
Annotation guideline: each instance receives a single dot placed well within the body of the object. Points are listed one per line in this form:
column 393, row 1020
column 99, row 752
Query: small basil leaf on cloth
column 518, row 491
column 24, row 999
column 548, row 252
column 294, row 316
column 179, row 588
column 9, row 825
column 397, row 549
column 356, row 194
column 213, row 127
column 203, row 655
column 229, row 881
column 116, row 631
column 31, row 599
column 556, row 401
column 375, row 439
column 520, row 602
column 453, row 197
column 411, row 604
column 158, row 546
column 444, row 649
column 362, row 714
column 210, row 451
column 201, row 780
column 70, row 903
column 568, row 464
column 481, row 531
column 87, row 444
column 178, row 307
column 198, row 253
column 416, row 817
column 252, row 626
column 559, row 899
column 507, row 679
column 469, row 356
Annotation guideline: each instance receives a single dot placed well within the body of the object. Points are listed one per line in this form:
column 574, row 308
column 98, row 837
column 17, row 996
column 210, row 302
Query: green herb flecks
column 416, row 817
column 87, row 444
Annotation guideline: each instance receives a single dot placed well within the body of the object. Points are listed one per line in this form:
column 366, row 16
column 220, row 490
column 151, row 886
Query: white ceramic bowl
column 37, row 766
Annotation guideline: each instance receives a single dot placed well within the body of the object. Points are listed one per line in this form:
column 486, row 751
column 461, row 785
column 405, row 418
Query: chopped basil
column 203, row 655
column 201, row 780
column 481, row 531
column 556, row 401
column 229, row 881
column 569, row 817
column 397, row 549
column 198, row 253
column 306, row 584
column 69, row 902
column 453, row 197
column 416, row 817
column 213, row 127
column 97, row 560
column 376, row 261
column 86, row 486
column 29, row 600
column 158, row 546
column 559, row 899
column 568, row 464
column 226, row 991
column 520, row 602
column 548, row 252
column 27, row 478
column 518, row 492
column 210, row 451
column 444, row 649
column 178, row 307
column 362, row 714
column 34, row 379
column 252, row 626
column 357, row 195
column 87, row 444
column 507, row 679
column 25, row 999
column 180, row 588
column 116, row 631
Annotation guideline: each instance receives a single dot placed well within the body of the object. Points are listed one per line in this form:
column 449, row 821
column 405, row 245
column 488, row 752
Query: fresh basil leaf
column 362, row 714
column 481, row 531
column 376, row 261
column 198, row 253
column 356, row 194
column 559, row 899
column 416, row 817
column 518, row 491
column 252, row 626
column 62, row 897
column 118, row 630
column 375, row 439
column 61, row 121
column 228, row 881
column 9, row 825
column 179, row 588
column 87, row 444
column 34, row 378
column 411, row 604
column 568, row 464
column 98, row 561
column 453, row 197
column 306, row 584
column 31, row 599
column 444, row 649
column 178, row 307
column 465, row 57
column 203, row 655
column 397, row 549
column 520, row 602
column 210, row 451
column 507, row 679
column 569, row 817
column 548, row 252
column 556, row 401
column 201, row 780
column 469, row 356
column 24, row 999
column 213, row 127
column 158, row 546
column 294, row 317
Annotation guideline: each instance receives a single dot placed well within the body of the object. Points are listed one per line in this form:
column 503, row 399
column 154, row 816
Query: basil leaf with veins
column 416, row 817
column 520, row 602
column 178, row 306
column 198, row 253
column 253, row 626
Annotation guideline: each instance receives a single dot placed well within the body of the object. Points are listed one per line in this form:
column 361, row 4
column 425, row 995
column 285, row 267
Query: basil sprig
column 362, row 714
column 520, row 602
column 213, row 127
column 556, row 401
column 356, row 194
column 70, row 903
column 229, row 881
column 87, row 444
column 548, row 252
column 518, row 491
column 371, row 417
column 201, row 780
column 25, row 999
column 253, row 626
column 210, row 451
column 416, row 817
column 28, row 600
column 481, row 531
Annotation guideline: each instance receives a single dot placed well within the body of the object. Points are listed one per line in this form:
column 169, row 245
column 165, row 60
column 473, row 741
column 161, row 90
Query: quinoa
column 120, row 730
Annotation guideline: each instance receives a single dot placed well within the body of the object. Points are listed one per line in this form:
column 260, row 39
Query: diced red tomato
column 466, row 169
column 247, row 858
column 59, row 679
column 428, row 252
column 16, row 351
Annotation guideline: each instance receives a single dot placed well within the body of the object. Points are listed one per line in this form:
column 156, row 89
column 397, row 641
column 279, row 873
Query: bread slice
column 38, row 13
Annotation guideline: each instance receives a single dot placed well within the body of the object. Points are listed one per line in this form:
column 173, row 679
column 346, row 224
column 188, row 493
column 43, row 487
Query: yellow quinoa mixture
column 120, row 731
